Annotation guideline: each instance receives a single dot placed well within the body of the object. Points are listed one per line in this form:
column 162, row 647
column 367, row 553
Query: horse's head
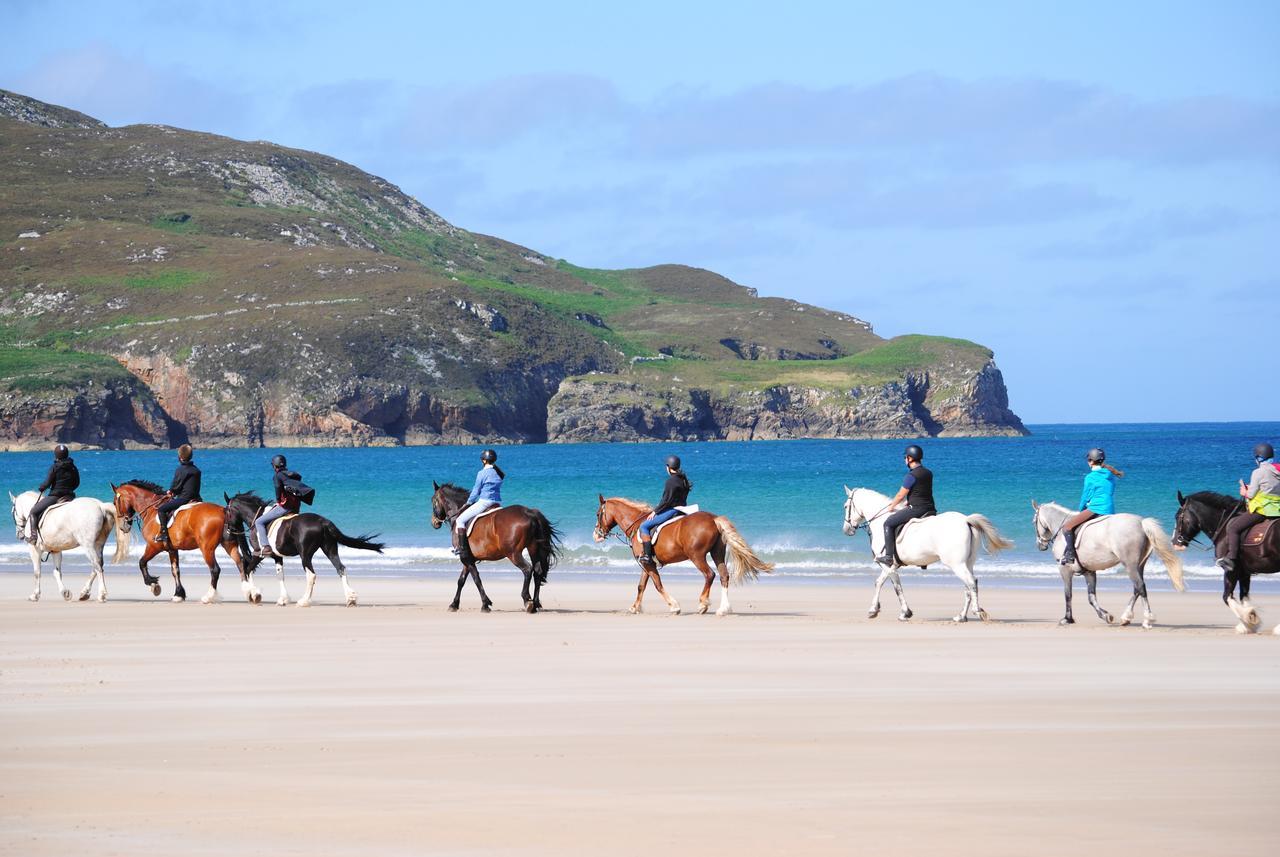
column 1188, row 523
column 1044, row 531
column 446, row 502
column 244, row 507
column 853, row 516
column 19, row 515
column 605, row 520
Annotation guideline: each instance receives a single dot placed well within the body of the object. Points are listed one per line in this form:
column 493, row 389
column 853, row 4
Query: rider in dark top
column 61, row 483
column 286, row 502
column 675, row 492
column 917, row 491
column 184, row 489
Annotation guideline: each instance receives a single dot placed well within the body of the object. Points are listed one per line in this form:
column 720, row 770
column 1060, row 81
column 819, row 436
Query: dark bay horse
column 202, row 527
column 508, row 533
column 692, row 537
column 1208, row 512
column 300, row 536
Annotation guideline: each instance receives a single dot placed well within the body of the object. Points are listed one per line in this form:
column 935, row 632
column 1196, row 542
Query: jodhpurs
column 1236, row 528
column 647, row 528
column 38, row 509
column 260, row 526
column 895, row 521
column 470, row 513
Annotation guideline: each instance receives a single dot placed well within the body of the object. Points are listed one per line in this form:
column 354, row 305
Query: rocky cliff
column 160, row 285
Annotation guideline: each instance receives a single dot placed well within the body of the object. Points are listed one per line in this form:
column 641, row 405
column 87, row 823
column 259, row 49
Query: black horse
column 301, row 536
column 508, row 533
column 1208, row 512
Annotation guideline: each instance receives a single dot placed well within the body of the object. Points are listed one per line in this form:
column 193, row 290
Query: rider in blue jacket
column 486, row 494
column 1097, row 498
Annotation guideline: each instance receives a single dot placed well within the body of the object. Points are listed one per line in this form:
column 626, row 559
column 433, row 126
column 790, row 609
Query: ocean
column 786, row 497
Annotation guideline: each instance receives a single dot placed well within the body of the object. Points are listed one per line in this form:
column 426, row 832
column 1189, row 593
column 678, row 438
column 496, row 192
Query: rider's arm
column 1085, row 495
column 48, row 480
column 1255, row 485
column 898, row 498
column 475, row 491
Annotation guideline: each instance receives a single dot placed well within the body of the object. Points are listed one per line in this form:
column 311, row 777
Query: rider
column 675, row 492
column 917, row 491
column 1263, row 496
column 286, row 502
column 486, row 494
column 61, row 483
column 1097, row 498
column 184, row 489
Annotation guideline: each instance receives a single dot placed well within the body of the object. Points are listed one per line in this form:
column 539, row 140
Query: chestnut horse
column 690, row 537
column 202, row 527
column 508, row 533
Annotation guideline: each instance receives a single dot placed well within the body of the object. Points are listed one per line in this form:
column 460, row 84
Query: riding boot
column 647, row 551
column 1069, row 552
column 464, row 549
column 888, row 555
column 162, row 537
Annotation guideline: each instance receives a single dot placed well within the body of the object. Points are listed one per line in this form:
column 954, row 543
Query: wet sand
column 796, row 726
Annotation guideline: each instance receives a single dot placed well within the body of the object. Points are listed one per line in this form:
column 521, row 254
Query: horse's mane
column 451, row 489
column 250, row 497
column 144, row 485
column 640, row 505
column 1213, row 498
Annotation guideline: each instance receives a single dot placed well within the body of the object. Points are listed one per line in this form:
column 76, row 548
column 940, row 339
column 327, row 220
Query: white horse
column 1101, row 543
column 951, row 539
column 83, row 522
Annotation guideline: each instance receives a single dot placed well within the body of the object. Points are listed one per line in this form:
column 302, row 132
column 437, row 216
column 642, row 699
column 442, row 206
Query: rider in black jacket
column 917, row 491
column 61, row 483
column 184, row 489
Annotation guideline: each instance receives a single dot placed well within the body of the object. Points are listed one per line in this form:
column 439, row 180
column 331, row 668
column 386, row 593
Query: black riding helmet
column 673, row 461
column 1263, row 451
column 914, row 453
column 1096, row 455
column 60, row 453
column 489, row 456
column 278, row 462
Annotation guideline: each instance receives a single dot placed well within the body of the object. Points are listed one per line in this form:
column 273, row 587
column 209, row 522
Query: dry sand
column 797, row 726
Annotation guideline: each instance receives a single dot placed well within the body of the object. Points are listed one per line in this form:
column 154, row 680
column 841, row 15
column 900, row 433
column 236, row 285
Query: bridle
column 624, row 536
column 138, row 512
column 1217, row 532
column 1045, row 543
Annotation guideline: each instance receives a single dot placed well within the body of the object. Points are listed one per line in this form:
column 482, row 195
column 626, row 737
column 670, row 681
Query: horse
column 688, row 537
column 201, row 527
column 83, row 522
column 1101, row 543
column 301, row 536
column 951, row 539
column 510, row 532
column 1208, row 512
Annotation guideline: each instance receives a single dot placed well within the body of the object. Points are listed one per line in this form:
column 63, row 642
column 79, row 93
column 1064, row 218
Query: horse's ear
column 848, row 492
column 1182, row 501
column 12, row 499
column 435, row 485
column 601, row 496
column 1034, row 504
column 113, row 487
column 225, row 498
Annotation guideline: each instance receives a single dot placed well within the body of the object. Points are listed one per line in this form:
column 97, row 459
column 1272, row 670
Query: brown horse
column 202, row 527
column 508, row 534
column 690, row 537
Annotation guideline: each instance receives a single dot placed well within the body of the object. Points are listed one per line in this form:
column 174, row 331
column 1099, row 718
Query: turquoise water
column 785, row 496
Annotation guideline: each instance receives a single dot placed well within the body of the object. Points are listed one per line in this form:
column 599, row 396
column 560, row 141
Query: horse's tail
column 744, row 559
column 364, row 542
column 1164, row 549
column 123, row 535
column 993, row 541
column 546, row 544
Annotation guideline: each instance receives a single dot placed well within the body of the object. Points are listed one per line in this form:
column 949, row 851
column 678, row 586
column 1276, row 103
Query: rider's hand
column 1244, row 490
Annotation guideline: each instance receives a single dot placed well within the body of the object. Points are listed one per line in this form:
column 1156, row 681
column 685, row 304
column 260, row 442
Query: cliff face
column 160, row 286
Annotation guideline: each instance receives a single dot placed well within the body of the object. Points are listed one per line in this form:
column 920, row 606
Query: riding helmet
column 914, row 453
column 60, row 452
column 1096, row 455
column 1263, row 451
column 673, row 461
column 184, row 452
column 278, row 462
column 489, row 456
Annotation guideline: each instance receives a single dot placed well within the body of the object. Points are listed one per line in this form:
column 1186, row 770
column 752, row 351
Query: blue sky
column 1090, row 189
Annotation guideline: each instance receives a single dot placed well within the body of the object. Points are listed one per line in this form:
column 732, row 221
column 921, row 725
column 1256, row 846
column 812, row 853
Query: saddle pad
column 472, row 523
column 184, row 507
column 273, row 531
column 1260, row 541
column 683, row 510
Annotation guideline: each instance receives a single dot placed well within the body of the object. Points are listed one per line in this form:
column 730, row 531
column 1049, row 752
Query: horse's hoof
column 304, row 603
column 257, row 598
column 984, row 615
column 1125, row 620
column 1276, row 631
column 453, row 608
column 724, row 611
column 1066, row 620
column 959, row 619
column 1242, row 628
column 66, row 595
column 178, row 599
column 906, row 614
column 352, row 600
column 34, row 597
column 1252, row 619
column 1109, row 619
column 485, row 608
column 155, row 589
column 102, row 598
column 529, row 608
column 1148, row 625
column 84, row 596
column 871, row 614
column 674, row 611
column 282, row 602
column 703, row 608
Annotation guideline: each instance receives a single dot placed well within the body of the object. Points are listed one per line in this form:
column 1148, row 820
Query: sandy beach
column 796, row 726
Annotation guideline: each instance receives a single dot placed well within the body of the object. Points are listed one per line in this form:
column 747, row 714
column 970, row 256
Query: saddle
column 1261, row 544
column 273, row 532
column 683, row 510
column 902, row 531
column 471, row 525
column 184, row 507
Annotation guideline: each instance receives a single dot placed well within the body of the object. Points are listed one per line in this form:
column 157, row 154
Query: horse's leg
column 962, row 571
column 904, row 609
column 57, row 572
column 1140, row 587
column 179, row 592
column 485, row 604
column 305, row 554
column 1067, row 618
column 331, row 551
column 708, row 576
column 1091, row 580
column 35, row 570
column 149, row 550
column 717, row 555
column 283, row 600
column 457, row 596
column 517, row 559
column 1135, row 577
column 215, row 572
column 537, row 581
column 252, row 594
column 637, row 606
column 672, row 605
column 1251, row 616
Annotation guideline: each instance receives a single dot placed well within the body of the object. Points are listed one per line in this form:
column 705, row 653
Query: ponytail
column 498, row 470
column 1115, row 471
column 688, row 486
